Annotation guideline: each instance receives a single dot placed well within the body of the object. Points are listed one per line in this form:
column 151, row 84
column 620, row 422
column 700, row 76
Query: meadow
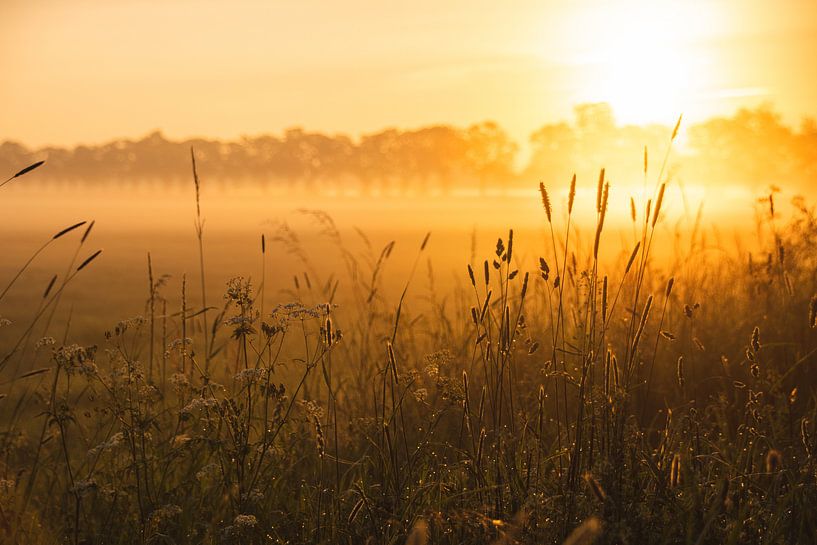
column 608, row 370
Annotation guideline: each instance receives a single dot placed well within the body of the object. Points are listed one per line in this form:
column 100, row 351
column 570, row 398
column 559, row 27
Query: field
column 561, row 365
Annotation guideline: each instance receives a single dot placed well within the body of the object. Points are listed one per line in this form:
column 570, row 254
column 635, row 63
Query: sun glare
column 648, row 60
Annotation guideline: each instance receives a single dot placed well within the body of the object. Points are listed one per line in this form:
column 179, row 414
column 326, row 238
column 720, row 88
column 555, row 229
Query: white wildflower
column 245, row 521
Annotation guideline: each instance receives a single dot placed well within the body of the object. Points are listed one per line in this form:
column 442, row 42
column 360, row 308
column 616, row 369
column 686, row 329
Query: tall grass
column 561, row 400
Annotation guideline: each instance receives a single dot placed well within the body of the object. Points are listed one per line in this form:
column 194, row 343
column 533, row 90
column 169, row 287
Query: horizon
column 134, row 68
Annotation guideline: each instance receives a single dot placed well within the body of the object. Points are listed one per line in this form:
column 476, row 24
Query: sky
column 88, row 71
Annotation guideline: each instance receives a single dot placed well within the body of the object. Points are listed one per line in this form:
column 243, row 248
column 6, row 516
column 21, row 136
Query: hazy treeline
column 753, row 146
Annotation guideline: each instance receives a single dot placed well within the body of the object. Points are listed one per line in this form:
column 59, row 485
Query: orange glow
column 648, row 60
column 88, row 71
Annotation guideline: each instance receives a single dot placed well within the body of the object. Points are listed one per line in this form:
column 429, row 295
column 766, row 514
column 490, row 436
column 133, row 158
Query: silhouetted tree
column 753, row 146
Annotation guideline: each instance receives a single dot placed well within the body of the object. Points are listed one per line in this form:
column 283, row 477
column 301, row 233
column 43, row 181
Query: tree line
column 752, row 146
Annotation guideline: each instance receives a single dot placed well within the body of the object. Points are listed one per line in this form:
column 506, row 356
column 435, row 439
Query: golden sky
column 85, row 71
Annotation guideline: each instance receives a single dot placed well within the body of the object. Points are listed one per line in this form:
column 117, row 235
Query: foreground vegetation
column 553, row 401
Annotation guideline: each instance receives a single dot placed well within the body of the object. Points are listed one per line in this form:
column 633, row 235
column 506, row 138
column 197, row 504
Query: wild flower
column 75, row 359
column 180, row 383
column 45, row 341
column 199, row 403
column 208, row 472
column 437, row 361
column 164, row 513
column 312, row 409
column 249, row 376
column 179, row 343
column 284, row 314
column 420, row 394
column 116, row 440
column 245, row 521
column 239, row 291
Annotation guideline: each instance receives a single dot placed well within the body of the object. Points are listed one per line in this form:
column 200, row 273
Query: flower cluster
column 116, row 440
column 121, row 327
column 283, row 315
column 437, row 361
column 164, row 513
column 239, row 291
column 248, row 377
column 76, row 359
column 45, row 341
column 198, row 403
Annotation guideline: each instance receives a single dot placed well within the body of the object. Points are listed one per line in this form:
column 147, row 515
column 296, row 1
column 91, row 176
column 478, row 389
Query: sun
column 650, row 60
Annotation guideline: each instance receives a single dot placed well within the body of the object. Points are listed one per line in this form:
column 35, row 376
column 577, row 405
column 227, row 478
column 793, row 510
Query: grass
column 560, row 399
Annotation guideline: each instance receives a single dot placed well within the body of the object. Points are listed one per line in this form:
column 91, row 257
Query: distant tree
column 490, row 154
column 806, row 150
column 594, row 120
column 13, row 157
column 553, row 153
column 377, row 162
column 753, row 146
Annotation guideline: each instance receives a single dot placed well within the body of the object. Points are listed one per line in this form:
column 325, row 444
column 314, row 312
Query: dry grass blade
column 586, row 533
column 599, row 191
column 418, row 534
column 602, row 213
column 35, row 254
column 28, row 374
column 632, row 257
column 68, row 230
column 425, row 241
column 89, row 260
column 677, row 126
column 675, row 471
column 812, row 312
column 679, row 371
column 355, row 510
column 24, row 171
column 645, row 314
column 196, row 182
column 645, row 160
column 87, row 231
column 595, row 486
column 35, row 372
column 658, row 204
column 545, row 200
column 29, row 169
column 50, row 285
column 200, row 239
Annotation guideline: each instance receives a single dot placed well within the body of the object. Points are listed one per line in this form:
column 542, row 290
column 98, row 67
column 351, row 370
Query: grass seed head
column 545, row 201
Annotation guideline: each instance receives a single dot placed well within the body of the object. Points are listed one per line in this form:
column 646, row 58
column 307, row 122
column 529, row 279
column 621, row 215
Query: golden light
column 648, row 60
